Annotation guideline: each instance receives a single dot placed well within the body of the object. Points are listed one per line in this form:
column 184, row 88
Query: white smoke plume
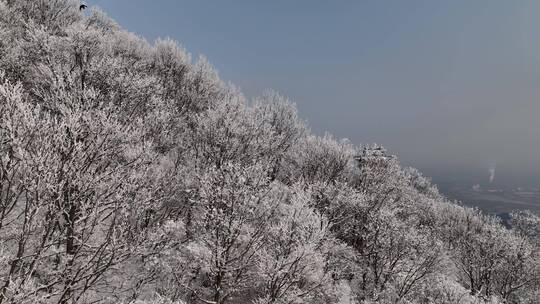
column 491, row 173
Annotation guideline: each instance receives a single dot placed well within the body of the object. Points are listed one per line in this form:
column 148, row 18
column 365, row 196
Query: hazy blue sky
column 451, row 87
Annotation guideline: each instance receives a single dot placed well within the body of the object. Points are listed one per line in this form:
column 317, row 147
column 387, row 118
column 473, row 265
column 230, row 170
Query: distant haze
column 451, row 87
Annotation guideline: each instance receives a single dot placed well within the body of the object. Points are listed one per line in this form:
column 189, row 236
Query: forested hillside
column 130, row 173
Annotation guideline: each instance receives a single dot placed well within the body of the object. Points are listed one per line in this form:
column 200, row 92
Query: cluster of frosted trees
column 130, row 174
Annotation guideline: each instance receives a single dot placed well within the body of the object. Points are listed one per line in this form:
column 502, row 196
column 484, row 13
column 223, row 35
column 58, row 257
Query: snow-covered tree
column 131, row 173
